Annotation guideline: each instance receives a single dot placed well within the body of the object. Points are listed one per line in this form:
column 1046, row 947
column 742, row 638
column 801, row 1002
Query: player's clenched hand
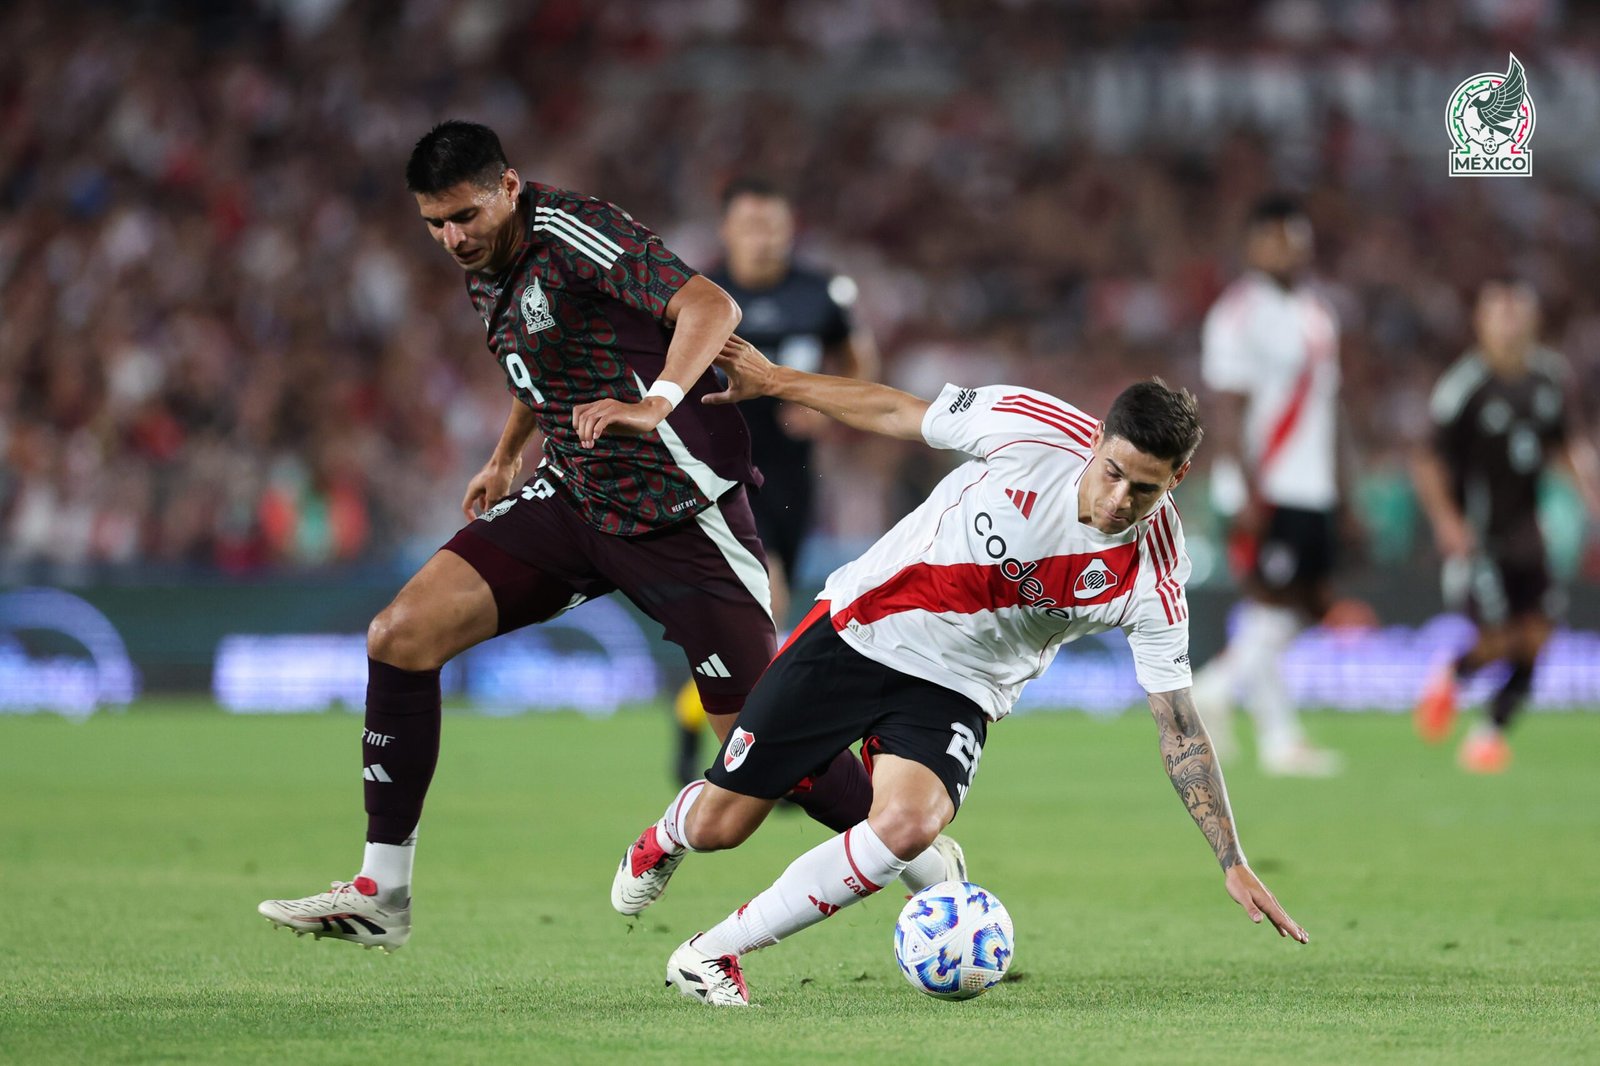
column 749, row 372
column 1248, row 892
column 591, row 420
column 491, row 483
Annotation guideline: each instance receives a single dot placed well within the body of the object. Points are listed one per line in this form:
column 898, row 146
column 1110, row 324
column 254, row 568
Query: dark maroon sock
column 840, row 796
column 399, row 748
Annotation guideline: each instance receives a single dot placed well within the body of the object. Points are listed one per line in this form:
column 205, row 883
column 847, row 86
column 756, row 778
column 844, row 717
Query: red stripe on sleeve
column 1077, row 418
column 1054, row 423
column 1174, row 590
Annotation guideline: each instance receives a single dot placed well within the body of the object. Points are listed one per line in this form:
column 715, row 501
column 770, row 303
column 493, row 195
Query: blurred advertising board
column 294, row 648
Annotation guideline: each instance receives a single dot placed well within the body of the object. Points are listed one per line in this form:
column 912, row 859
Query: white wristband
column 668, row 391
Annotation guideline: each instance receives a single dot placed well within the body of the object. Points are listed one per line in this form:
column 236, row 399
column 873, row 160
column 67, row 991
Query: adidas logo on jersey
column 536, row 308
column 713, row 667
column 377, row 773
column 1024, row 500
column 1093, row 580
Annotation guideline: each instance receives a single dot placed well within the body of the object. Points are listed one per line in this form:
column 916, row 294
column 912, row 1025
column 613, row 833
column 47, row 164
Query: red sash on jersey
column 1243, row 546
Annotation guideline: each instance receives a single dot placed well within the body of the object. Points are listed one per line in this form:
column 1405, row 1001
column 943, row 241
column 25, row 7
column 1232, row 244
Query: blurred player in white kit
column 1270, row 355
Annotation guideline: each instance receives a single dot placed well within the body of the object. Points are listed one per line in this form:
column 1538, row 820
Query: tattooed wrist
column 1192, row 767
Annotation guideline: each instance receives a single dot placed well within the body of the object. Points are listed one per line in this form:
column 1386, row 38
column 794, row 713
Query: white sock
column 834, row 874
column 389, row 865
column 1265, row 633
column 924, row 870
column 669, row 830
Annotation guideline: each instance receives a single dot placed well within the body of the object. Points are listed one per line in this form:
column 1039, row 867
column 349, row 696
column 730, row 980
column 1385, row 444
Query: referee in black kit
column 801, row 318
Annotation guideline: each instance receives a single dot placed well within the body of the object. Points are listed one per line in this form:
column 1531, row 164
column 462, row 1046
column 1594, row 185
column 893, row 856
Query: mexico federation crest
column 536, row 308
column 1490, row 118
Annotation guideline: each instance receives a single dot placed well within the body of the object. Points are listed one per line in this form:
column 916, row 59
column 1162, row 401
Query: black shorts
column 1494, row 589
column 1296, row 547
column 820, row 696
column 704, row 579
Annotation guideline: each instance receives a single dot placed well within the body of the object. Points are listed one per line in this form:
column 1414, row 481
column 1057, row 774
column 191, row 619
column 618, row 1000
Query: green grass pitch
column 1453, row 919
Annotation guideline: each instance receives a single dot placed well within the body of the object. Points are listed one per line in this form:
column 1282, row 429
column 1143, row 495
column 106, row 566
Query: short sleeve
column 1556, row 403
column 633, row 265
column 1158, row 632
column 1449, row 402
column 979, row 421
column 1225, row 363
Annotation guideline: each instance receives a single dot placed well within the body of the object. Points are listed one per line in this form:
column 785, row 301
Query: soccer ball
column 953, row 940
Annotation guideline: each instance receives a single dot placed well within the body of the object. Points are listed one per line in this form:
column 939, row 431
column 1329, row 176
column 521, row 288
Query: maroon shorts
column 704, row 579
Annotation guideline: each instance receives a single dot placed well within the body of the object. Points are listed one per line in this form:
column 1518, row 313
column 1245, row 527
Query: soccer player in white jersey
column 1270, row 355
column 1057, row 528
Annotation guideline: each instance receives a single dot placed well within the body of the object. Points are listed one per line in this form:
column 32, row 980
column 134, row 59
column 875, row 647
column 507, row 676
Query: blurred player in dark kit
column 803, row 319
column 1501, row 414
column 601, row 332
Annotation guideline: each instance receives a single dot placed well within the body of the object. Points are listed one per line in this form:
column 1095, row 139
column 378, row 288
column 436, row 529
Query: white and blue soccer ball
column 953, row 940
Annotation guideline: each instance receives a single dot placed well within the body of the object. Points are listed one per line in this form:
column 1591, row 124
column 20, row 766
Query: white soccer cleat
column 348, row 911
column 951, row 866
column 955, row 861
column 716, row 981
column 643, row 874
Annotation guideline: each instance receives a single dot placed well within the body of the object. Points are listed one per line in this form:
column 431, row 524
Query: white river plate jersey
column 977, row 588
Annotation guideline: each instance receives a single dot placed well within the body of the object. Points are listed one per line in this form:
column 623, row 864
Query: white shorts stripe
column 748, row 568
column 744, row 563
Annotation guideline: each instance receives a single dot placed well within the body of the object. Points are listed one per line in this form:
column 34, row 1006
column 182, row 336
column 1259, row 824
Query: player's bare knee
column 906, row 830
column 394, row 638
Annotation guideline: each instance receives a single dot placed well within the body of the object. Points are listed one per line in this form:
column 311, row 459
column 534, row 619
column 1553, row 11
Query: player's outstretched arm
column 861, row 405
column 1451, row 532
column 1192, row 766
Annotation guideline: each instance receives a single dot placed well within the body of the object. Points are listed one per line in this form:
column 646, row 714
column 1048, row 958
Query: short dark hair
column 1508, row 279
column 751, row 185
column 1276, row 207
column 453, row 152
column 1159, row 421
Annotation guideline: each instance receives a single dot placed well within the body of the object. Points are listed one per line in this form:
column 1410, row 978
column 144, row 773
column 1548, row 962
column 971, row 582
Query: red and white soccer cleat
column 348, row 911
column 1436, row 710
column 643, row 874
column 715, row 980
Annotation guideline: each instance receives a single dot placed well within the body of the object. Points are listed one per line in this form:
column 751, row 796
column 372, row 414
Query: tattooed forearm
column 1186, row 753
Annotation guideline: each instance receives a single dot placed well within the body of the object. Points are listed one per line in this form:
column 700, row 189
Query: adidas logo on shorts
column 713, row 667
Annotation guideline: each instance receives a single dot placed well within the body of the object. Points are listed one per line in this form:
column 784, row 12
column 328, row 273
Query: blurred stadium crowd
column 226, row 340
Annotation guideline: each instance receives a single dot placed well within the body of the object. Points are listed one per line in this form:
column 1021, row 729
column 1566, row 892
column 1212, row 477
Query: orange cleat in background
column 1485, row 751
column 1436, row 710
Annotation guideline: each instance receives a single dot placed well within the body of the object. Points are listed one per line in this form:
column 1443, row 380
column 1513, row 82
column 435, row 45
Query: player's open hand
column 491, row 483
column 749, row 372
column 1248, row 892
column 618, row 417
